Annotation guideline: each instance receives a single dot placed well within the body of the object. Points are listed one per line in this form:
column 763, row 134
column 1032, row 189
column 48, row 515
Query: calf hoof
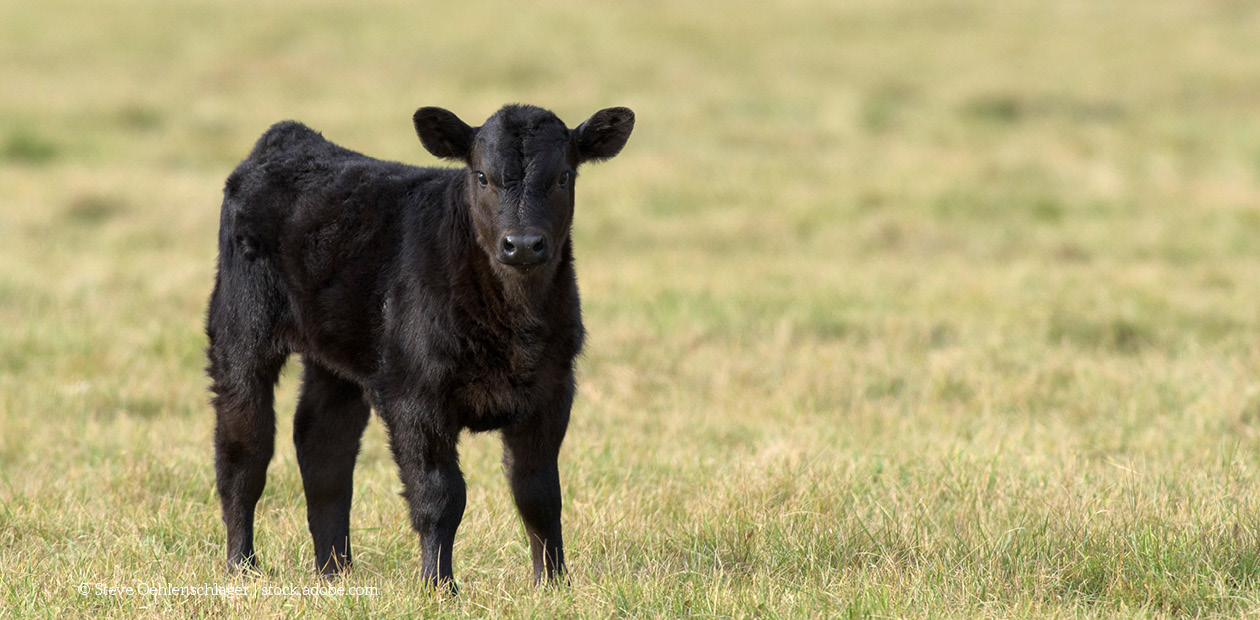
column 332, row 568
column 444, row 587
column 242, row 565
column 560, row 580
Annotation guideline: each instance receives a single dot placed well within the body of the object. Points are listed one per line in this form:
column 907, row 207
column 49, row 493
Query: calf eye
column 481, row 179
column 563, row 181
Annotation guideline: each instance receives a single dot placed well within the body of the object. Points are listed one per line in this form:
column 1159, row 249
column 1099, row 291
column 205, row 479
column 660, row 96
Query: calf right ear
column 443, row 134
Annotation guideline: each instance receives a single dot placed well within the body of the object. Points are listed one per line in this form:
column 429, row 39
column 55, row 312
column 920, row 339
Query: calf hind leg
column 331, row 416
column 244, row 438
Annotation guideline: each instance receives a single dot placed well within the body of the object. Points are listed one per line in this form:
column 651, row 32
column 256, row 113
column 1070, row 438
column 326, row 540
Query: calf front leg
column 428, row 463
column 530, row 456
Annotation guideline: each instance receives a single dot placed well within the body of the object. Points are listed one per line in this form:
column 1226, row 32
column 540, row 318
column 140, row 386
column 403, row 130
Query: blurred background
column 874, row 287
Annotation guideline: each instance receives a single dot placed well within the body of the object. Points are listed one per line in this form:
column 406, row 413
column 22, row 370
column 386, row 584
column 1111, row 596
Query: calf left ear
column 443, row 134
column 604, row 133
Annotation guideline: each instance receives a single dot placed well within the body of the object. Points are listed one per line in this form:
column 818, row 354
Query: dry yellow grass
column 909, row 309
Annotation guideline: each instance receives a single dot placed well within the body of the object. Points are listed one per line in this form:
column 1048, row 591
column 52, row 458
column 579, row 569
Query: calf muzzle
column 525, row 247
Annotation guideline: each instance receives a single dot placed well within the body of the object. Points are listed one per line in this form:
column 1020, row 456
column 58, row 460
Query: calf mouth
column 524, row 270
column 532, row 275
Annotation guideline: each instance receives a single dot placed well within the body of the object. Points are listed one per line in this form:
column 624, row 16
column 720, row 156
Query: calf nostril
column 524, row 248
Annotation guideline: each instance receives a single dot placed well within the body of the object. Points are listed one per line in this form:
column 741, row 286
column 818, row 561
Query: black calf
column 444, row 298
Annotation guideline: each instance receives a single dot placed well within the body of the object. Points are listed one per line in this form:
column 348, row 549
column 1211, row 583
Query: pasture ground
column 896, row 308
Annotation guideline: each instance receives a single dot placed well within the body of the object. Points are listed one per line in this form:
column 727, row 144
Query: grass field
column 896, row 308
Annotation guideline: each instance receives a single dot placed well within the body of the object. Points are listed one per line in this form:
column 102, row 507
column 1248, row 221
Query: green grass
column 896, row 309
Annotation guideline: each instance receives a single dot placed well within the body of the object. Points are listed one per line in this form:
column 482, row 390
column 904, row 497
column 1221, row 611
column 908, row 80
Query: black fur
column 403, row 288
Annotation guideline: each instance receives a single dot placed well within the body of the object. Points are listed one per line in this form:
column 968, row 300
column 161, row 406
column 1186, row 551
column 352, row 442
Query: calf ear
column 604, row 133
column 443, row 134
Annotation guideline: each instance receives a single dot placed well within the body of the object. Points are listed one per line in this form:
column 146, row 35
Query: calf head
column 522, row 168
